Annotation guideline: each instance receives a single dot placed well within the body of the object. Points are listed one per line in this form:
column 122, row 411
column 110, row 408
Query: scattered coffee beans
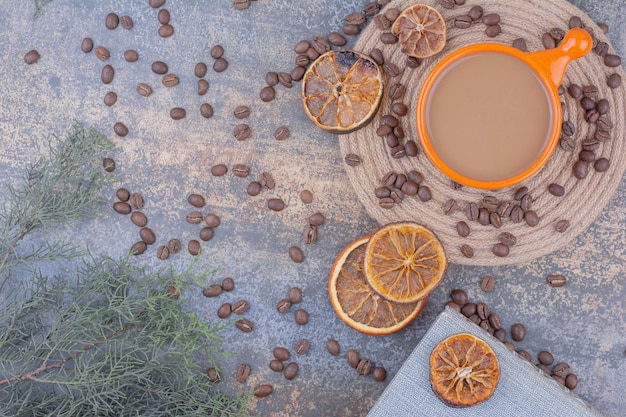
column 245, row 325
column 332, row 346
column 302, row 346
column 488, row 283
column 296, row 254
column 174, row 246
column 224, row 311
column 291, row 370
column 86, row 45
column 301, row 317
column 264, row 390
column 193, row 247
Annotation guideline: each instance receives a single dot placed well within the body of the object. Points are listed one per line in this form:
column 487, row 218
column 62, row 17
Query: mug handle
column 553, row 62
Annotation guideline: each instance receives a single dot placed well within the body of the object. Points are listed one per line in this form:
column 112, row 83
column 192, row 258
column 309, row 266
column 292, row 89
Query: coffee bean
column 604, row 123
column 602, row 106
column 520, row 43
column 459, row 297
column 527, row 202
column 587, row 156
column 556, row 190
column 170, row 80
column 163, row 16
column 102, row 53
column 468, row 310
column 242, row 112
column 165, row 31
column 518, row 332
column 350, row 29
column 219, row 170
column 571, row 381
column 224, row 311
column 143, row 89
column 220, row 65
column 371, row 9
column 463, row 21
column 267, row 93
column 567, row 143
column 548, row 41
column 213, row 376
column 295, row 295
column 561, row 226
column 377, row 55
column 241, row 4
column 484, row 324
column 196, row 200
column 462, row 229
column 453, row 306
column 561, row 369
column 587, row 103
column 386, row 203
column 580, row 170
column 379, row 374
column 592, row 116
column 240, row 307
column 127, row 22
column 228, row 284
column 500, row 334
column 364, row 367
column 206, row 110
column 601, row 164
column 120, row 129
column 283, row 305
column 245, row 325
column 611, row 60
column 575, row 22
column 291, row 370
column 447, row 4
column 568, row 128
column 495, row 220
column 449, row 207
column 163, row 252
column 532, row 219
column 309, row 235
column 545, row 369
column 243, row 371
column 254, row 188
column 424, row 193
column 396, row 195
column 86, row 45
column 501, row 250
column 241, row 170
column 264, row 390
column 178, row 113
column 382, row 23
column 590, row 144
column 391, row 69
column 138, row 248
column 131, row 55
column 482, row 310
column 413, row 62
column 285, row 79
column 297, row 73
column 206, row 234
column 174, row 245
column 276, row 365
column 525, row 355
column 467, row 251
column 398, row 152
column 614, row 80
column 557, row 280
column 352, row 159
column 203, row 87
column 194, row 217
column 493, row 30
column 296, row 254
column 388, row 38
column 281, row 133
column 494, row 321
column 321, row 45
column 139, row 219
column 136, row 201
column 155, row 4
column 337, row 39
column 575, row 91
column 193, row 247
column 301, row 46
column 399, row 108
column 301, row 317
column 352, row 356
column 410, row 188
column 488, row 283
column 275, row 204
column 590, row 92
column 122, row 207
column 517, row 214
column 122, row 194
column 483, row 216
column 107, row 74
column 302, row 346
column 559, row 379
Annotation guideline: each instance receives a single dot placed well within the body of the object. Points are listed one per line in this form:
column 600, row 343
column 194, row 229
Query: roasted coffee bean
column 264, row 390
column 483, row 216
column 453, row 306
column 352, row 159
column 239, row 307
column 575, row 22
column 601, row 164
column 139, row 219
column 364, row 367
column 86, row 45
column 484, row 324
column 285, row 79
column 276, row 365
column 213, row 290
column 517, row 214
column 482, row 310
column 317, row 219
column 301, row 317
column 321, row 45
column 388, row 38
column 350, row 29
column 567, row 143
column 592, row 116
column 561, row 369
column 389, row 179
column 602, row 106
column 490, row 202
column 504, row 209
column 447, row 4
column 590, row 144
column 163, row 16
column 587, row 156
column 509, row 345
column 136, row 201
column 206, row 110
column 352, row 356
column 548, row 41
column 520, row 193
column 291, row 370
column 462, row 229
column 243, row 371
column 463, row 21
column 138, row 248
column 206, row 234
column 382, row 23
column 571, row 381
column 495, row 220
column 501, row 250
column 295, row 295
column 220, row 65
column 193, row 247
column 217, row 52
column 488, row 283
column 614, row 80
column 556, row 190
column 467, row 251
column 507, row 239
column 131, row 55
column 382, row 192
column 332, row 346
column 491, row 19
column 224, row 311
column 355, row 19
column 424, row 193
column 120, row 129
column 398, row 152
column 170, row 80
column 283, row 305
column 296, row 254
column 396, row 195
column 604, row 123
column 410, row 188
column 163, row 252
column 459, row 297
column 587, row 103
column 271, row 78
column 301, row 61
column 391, row 69
column 241, row 4
column 174, row 245
column 228, row 284
column 396, row 91
column 165, row 31
column 545, row 369
column 275, row 204
column 122, row 194
column 301, row 46
column 143, row 89
column 590, row 92
column 242, row 112
column 386, row 203
column 494, row 321
column 472, row 211
column 213, row 376
column 371, row 9
column 312, row 54
column 493, row 30
column 525, row 355
column 500, row 334
column 580, row 170
column 413, row 62
column 155, row 4
column 531, row 217
column 561, row 226
column 399, row 108
column 107, row 74
column 302, row 347
column 196, row 200
column 379, row 374
column 306, row 196
column 245, row 325
column 611, row 60
column 281, row 353
column 449, row 206
column 337, row 39
column 557, row 280
column 102, row 53
column 127, row 22
column 575, row 91
column 241, row 170
column 267, row 93
column 200, row 69
column 568, row 128
column 527, row 202
column 518, row 332
column 242, row 131
column 178, row 113
column 219, row 170
column 468, row 310
column 203, row 87
column 520, row 43
column 122, row 207
column 194, row 217
column 254, row 188
column 378, row 57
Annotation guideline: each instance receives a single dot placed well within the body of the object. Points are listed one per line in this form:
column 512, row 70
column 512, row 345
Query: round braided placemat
column 583, row 200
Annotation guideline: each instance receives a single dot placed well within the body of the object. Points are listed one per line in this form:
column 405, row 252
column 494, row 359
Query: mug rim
column 553, row 101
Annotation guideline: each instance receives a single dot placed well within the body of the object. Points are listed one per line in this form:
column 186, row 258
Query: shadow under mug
column 547, row 67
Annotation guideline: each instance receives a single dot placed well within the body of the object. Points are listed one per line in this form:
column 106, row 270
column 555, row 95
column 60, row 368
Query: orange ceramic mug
column 489, row 116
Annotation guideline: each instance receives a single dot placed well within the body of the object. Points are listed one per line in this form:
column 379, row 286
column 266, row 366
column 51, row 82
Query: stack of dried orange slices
column 378, row 284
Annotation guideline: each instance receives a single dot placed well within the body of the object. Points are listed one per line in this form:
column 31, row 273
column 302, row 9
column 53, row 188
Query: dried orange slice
column 421, row 31
column 464, row 370
column 404, row 262
column 341, row 91
column 357, row 304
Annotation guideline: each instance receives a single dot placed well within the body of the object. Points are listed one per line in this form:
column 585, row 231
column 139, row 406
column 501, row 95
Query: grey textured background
column 583, row 323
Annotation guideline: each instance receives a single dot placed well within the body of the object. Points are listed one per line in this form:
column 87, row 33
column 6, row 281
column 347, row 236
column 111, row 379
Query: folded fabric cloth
column 523, row 389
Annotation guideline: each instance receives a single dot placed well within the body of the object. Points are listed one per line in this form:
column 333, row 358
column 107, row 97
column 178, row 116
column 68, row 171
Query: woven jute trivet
column 584, row 199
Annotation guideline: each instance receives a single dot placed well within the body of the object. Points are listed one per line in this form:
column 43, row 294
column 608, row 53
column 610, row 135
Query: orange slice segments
column 464, row 370
column 357, row 304
column 421, row 31
column 341, row 91
column 404, row 262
